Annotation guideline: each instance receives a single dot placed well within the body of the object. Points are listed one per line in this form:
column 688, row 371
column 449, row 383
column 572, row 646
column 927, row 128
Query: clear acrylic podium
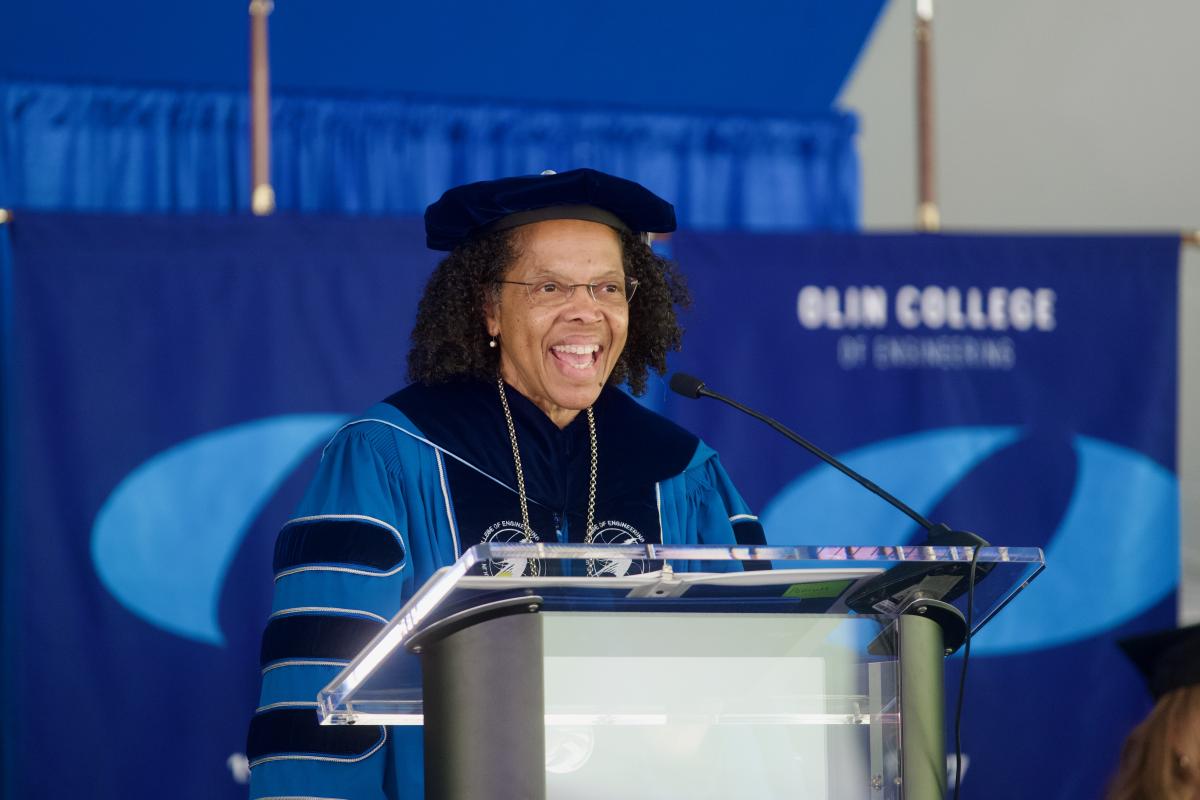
column 561, row 671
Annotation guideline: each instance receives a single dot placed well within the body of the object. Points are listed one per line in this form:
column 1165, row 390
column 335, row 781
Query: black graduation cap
column 477, row 209
column 1168, row 660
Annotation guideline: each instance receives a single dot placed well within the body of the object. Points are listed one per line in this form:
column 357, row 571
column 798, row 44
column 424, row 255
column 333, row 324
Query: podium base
column 484, row 719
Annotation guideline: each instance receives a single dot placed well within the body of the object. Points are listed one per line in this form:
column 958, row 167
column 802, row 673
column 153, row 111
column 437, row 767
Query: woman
column 1160, row 759
column 512, row 430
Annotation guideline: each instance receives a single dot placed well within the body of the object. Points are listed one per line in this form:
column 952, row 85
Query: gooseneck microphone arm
column 692, row 387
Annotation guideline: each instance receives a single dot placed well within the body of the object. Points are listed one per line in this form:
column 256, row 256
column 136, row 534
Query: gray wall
column 1076, row 115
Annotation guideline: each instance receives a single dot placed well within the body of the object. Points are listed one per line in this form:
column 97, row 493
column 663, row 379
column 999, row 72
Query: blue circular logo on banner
column 1113, row 555
column 164, row 538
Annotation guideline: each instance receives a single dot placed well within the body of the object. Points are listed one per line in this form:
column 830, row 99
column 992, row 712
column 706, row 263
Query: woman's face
column 560, row 356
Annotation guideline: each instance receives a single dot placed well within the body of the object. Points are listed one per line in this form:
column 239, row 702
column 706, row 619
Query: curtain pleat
column 86, row 148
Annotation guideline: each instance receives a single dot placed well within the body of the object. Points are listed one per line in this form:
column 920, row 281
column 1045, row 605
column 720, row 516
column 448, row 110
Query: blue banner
column 169, row 381
column 1021, row 387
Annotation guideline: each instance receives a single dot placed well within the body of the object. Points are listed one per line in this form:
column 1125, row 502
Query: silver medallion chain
column 516, row 450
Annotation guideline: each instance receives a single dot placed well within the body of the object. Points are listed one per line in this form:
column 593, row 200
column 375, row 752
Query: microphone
column 687, row 385
column 904, row 583
column 694, row 388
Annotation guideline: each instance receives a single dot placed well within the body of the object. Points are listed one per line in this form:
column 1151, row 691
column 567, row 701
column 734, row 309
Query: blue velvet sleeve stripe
column 346, row 541
column 316, row 636
column 379, row 597
column 296, row 679
column 295, row 733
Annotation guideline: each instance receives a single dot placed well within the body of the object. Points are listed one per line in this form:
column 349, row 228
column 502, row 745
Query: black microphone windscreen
column 686, row 385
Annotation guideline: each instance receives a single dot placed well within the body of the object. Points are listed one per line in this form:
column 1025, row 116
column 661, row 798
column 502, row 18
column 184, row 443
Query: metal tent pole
column 928, row 216
column 262, row 199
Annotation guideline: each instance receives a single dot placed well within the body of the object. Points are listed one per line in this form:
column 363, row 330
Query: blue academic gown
column 405, row 489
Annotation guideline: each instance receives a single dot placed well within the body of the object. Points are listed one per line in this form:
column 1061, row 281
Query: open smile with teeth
column 579, row 356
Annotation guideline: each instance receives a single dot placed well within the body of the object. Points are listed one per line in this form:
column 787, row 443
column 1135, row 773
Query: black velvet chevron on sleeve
column 296, row 732
column 750, row 532
column 316, row 636
column 353, row 543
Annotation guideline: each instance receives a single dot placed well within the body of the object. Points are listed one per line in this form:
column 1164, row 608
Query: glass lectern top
column 858, row 591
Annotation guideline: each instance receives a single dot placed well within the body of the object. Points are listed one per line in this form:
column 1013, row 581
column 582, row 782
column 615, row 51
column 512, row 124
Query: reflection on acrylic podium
column 647, row 671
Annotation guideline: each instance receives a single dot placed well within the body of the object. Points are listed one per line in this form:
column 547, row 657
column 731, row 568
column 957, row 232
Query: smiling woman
column 451, row 340
column 513, row 430
column 558, row 348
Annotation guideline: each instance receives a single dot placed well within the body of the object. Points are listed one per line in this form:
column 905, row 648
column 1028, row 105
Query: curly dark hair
column 450, row 339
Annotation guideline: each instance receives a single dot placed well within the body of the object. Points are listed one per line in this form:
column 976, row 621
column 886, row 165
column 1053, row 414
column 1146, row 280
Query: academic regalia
column 404, row 490
column 1167, row 660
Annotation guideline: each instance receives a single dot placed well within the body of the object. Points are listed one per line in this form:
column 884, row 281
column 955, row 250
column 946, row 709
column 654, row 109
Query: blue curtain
column 83, row 148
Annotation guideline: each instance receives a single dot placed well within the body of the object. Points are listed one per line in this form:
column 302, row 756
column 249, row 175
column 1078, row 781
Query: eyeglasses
column 555, row 293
